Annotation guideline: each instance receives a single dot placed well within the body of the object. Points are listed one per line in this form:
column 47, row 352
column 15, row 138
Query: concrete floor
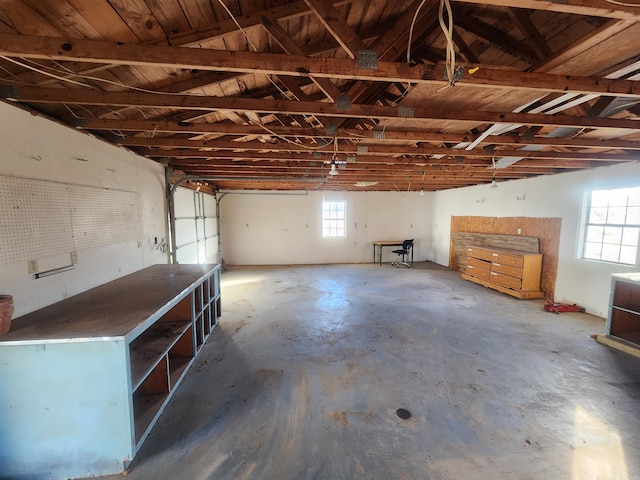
column 303, row 377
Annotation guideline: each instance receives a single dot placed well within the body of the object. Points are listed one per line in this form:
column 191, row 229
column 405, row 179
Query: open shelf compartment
column 149, row 348
column 180, row 356
column 149, row 398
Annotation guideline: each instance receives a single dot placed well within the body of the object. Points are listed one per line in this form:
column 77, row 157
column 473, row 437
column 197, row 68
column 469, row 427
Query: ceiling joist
column 192, row 102
column 66, row 49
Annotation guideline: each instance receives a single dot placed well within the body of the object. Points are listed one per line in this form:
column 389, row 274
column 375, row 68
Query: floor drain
column 403, row 413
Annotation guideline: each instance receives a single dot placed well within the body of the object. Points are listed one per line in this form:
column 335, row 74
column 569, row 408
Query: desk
column 387, row 243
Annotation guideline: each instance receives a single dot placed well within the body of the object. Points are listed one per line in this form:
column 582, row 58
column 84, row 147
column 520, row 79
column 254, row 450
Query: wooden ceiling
column 266, row 94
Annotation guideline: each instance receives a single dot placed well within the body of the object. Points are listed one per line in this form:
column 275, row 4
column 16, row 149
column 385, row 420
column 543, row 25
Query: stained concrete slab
column 303, row 377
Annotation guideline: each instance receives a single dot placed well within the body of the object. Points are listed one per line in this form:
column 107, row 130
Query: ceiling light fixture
column 493, row 179
column 365, row 184
column 334, row 170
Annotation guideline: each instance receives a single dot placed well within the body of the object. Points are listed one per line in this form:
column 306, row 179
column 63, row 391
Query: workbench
column 83, row 381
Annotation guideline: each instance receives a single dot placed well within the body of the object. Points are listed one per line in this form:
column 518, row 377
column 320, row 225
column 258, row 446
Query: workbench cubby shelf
column 121, row 351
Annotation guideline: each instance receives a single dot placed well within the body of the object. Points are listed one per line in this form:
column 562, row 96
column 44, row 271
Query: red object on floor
column 562, row 307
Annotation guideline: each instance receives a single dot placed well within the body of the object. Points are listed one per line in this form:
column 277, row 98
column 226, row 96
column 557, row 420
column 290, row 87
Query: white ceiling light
column 365, row 184
column 334, row 170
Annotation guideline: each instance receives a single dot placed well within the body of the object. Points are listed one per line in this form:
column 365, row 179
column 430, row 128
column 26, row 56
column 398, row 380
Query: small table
column 387, row 243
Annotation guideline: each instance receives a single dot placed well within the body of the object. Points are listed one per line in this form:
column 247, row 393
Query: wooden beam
column 449, row 160
column 222, row 60
column 335, row 24
column 537, row 42
column 583, row 44
column 392, row 44
column 346, row 133
column 495, row 37
column 291, row 47
column 383, row 150
column 591, row 8
column 466, row 53
column 288, row 11
column 619, row 344
column 190, row 102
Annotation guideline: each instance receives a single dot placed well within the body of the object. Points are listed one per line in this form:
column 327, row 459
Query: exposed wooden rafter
column 268, row 98
column 221, row 60
column 191, row 102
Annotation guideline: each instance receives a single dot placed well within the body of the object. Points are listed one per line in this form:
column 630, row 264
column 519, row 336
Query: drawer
column 481, row 253
column 479, row 264
column 507, row 269
column 506, row 259
column 506, row 280
column 481, row 273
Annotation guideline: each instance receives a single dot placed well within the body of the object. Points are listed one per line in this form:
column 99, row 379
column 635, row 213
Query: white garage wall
column 579, row 281
column 263, row 229
column 36, row 148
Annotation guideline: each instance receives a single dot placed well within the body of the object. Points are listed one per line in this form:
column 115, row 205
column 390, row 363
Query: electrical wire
column 413, row 23
column 255, row 49
column 287, row 140
column 249, row 42
column 450, row 64
column 42, row 72
column 89, row 77
column 450, row 49
column 623, row 4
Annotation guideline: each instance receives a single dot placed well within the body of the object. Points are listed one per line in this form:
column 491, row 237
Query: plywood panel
column 546, row 230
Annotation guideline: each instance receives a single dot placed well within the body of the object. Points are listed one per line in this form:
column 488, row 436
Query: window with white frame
column 334, row 218
column 612, row 226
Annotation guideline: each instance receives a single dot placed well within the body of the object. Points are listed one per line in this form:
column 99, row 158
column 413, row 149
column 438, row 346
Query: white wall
column 265, row 229
column 36, row 148
column 579, row 281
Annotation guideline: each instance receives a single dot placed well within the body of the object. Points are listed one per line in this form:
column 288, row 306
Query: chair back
column 407, row 244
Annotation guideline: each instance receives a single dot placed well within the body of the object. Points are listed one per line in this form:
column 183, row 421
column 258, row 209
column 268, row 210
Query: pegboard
column 40, row 219
column 104, row 217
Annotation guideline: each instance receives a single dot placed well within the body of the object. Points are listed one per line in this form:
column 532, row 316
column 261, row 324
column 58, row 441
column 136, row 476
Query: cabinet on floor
column 83, row 381
column 508, row 271
column 623, row 320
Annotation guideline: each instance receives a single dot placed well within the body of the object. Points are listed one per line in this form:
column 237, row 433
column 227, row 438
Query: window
column 613, row 226
column 334, row 219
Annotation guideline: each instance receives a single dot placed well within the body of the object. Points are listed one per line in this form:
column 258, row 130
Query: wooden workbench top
column 114, row 309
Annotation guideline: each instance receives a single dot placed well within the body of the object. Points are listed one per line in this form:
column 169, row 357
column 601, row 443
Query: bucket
column 6, row 311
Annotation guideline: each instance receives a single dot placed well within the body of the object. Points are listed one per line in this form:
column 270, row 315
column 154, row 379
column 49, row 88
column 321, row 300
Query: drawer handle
column 497, row 264
column 469, row 266
column 494, row 273
column 495, row 254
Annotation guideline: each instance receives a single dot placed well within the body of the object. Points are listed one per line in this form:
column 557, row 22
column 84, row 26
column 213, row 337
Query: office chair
column 407, row 245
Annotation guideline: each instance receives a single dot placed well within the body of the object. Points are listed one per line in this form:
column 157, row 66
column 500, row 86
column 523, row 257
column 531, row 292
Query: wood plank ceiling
column 267, row 94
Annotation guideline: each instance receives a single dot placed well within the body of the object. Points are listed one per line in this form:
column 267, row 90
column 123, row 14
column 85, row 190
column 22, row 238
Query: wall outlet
column 139, row 243
column 519, row 231
column 74, row 257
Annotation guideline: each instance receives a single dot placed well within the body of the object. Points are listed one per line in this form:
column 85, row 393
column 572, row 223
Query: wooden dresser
column 508, row 271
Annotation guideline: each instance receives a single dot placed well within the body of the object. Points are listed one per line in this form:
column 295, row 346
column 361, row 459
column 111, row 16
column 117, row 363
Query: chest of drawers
column 508, row 271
